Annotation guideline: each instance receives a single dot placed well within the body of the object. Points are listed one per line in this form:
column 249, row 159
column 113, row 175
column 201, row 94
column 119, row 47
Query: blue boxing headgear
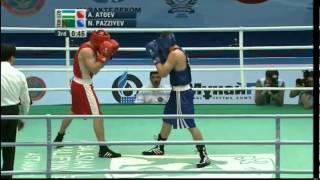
column 165, row 41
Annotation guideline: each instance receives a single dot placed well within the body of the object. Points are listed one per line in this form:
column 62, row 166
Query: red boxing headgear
column 97, row 37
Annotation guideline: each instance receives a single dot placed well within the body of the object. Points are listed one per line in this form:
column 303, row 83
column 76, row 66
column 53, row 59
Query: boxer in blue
column 169, row 58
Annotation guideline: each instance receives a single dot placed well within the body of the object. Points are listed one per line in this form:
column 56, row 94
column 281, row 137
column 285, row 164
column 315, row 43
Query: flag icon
column 68, row 23
column 81, row 14
column 70, row 18
column 81, row 23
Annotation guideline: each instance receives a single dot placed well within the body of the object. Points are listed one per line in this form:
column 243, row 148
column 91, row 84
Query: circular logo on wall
column 36, row 82
column 126, row 81
column 252, row 1
column 181, row 8
column 23, row 7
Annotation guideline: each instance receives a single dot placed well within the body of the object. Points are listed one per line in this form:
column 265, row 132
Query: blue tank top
column 178, row 78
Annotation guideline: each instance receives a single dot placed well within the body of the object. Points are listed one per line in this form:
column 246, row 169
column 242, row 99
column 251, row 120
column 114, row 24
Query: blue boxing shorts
column 180, row 102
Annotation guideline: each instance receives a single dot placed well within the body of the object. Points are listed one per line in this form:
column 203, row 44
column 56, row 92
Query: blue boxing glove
column 152, row 49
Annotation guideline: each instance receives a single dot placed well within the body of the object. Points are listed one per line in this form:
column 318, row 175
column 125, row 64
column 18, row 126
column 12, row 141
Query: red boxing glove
column 115, row 46
column 105, row 51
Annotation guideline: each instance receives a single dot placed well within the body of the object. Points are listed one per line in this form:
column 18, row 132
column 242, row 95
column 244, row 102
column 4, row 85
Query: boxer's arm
column 172, row 61
column 88, row 58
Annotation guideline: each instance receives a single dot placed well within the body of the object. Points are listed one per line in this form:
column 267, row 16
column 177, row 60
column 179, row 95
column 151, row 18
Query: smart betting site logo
column 126, row 81
column 70, row 18
column 23, row 7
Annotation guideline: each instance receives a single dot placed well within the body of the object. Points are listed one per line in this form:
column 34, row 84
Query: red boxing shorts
column 84, row 99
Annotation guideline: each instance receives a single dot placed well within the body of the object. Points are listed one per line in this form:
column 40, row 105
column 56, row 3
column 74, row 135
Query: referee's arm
column 24, row 95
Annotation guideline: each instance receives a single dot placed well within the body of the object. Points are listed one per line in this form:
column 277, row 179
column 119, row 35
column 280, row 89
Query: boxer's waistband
column 82, row 81
column 181, row 88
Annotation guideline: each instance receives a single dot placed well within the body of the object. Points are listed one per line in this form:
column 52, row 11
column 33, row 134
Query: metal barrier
column 277, row 143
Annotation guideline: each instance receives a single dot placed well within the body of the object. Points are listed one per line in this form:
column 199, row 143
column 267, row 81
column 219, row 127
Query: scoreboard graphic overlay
column 74, row 22
column 71, row 22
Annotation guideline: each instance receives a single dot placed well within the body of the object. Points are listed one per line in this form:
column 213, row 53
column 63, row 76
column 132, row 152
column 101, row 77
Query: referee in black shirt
column 14, row 90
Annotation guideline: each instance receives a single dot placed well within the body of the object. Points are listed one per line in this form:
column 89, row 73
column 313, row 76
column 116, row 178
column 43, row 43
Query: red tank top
column 76, row 67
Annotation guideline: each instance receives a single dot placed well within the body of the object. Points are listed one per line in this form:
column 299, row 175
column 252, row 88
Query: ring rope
column 160, row 172
column 169, row 89
column 151, row 69
column 127, row 143
column 133, row 49
column 173, row 116
column 155, row 30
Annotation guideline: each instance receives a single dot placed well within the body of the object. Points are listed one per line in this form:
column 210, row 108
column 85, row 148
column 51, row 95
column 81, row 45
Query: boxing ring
column 274, row 125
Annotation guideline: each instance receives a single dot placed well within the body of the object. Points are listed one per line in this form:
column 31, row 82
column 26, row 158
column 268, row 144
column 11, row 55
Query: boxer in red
column 89, row 59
